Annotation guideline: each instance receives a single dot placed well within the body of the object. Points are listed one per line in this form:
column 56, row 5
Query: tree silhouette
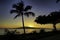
column 41, row 19
column 21, row 10
column 52, row 18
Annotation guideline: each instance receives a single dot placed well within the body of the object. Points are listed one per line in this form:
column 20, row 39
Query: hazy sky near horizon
column 39, row 7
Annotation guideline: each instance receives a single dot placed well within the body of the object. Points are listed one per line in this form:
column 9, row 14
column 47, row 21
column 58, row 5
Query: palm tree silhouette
column 21, row 10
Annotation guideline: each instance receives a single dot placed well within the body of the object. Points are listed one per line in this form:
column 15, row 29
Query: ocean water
column 21, row 31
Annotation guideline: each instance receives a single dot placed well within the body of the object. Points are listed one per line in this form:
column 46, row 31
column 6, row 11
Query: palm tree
column 21, row 10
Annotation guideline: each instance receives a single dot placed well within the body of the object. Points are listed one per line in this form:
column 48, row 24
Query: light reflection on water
column 21, row 31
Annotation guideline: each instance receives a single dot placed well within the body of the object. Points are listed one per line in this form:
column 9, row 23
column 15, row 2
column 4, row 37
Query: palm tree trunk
column 23, row 23
column 54, row 25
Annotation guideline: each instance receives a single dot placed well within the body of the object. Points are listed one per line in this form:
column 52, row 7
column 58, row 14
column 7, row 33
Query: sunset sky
column 39, row 7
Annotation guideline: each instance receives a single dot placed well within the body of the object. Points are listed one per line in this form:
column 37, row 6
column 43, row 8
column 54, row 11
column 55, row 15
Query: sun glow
column 31, row 26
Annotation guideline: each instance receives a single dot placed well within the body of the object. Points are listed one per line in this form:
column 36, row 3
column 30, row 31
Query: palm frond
column 26, row 14
column 16, row 16
column 13, row 11
column 27, row 8
column 14, row 5
column 29, row 13
column 21, row 6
